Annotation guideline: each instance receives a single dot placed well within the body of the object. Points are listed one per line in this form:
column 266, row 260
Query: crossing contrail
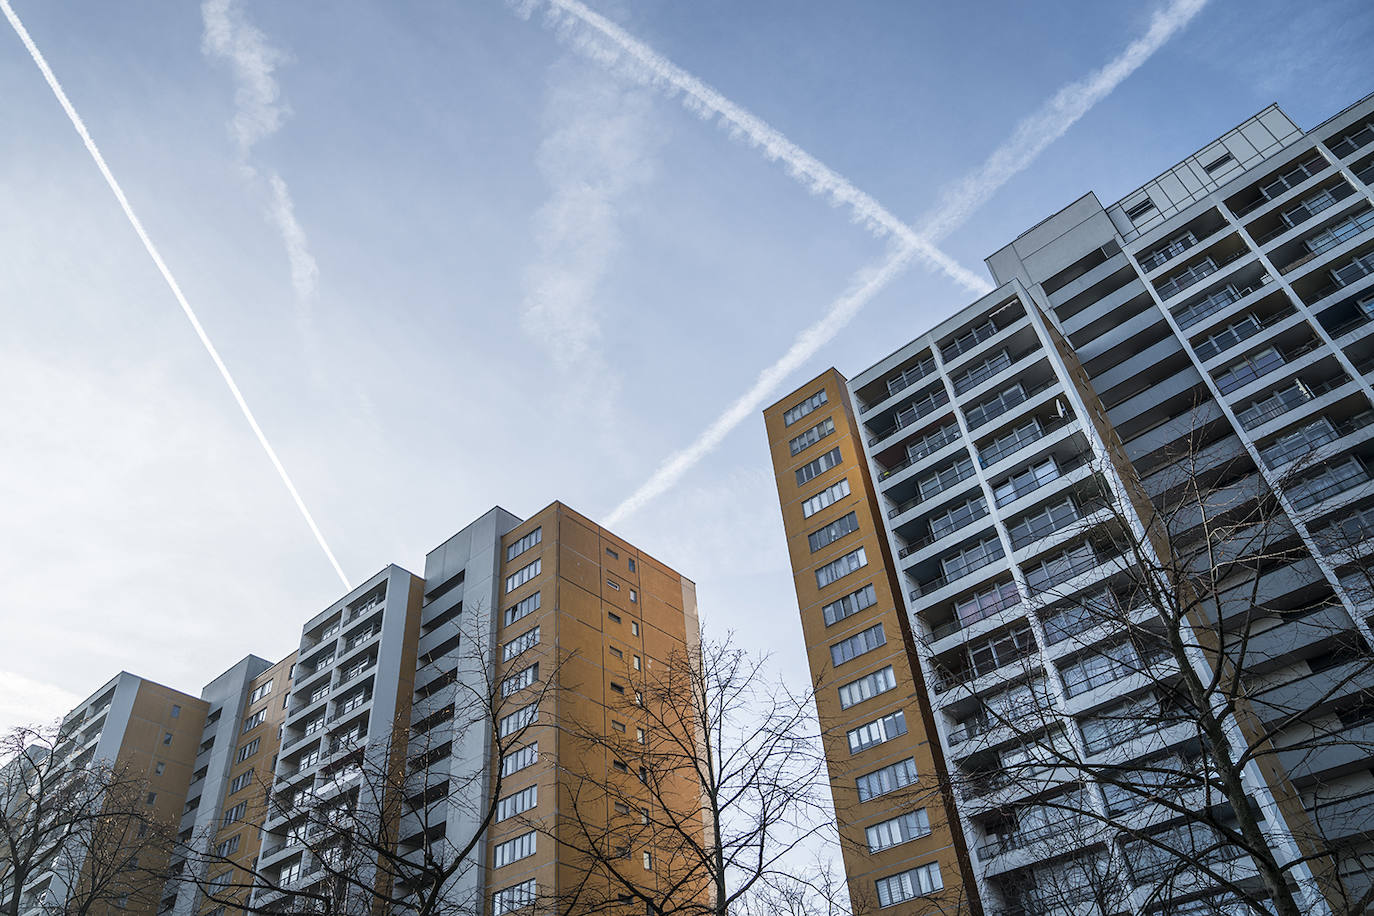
column 653, row 68
column 80, row 126
column 965, row 196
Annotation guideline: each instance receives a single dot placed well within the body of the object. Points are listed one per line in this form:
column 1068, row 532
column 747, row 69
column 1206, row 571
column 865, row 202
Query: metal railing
column 1168, row 252
column 905, row 379
column 922, row 497
column 1281, row 402
column 1353, row 142
column 1002, row 448
column 1335, row 235
column 927, row 446
column 922, row 408
column 1215, row 302
column 1310, row 207
column 1282, row 185
column 1197, row 273
column 988, row 411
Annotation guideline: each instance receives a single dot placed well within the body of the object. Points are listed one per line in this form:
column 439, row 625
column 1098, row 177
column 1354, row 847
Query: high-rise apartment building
column 411, row 703
column 977, row 522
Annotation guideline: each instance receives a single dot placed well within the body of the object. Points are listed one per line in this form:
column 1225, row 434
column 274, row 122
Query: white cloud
column 25, row 701
column 260, row 111
column 598, row 151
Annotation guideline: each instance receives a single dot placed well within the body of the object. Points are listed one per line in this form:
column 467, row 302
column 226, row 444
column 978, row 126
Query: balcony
column 1331, row 482
column 1259, row 364
column 1026, row 482
column 1328, row 238
column 1353, row 271
column 1019, row 439
column 1281, row 184
column 924, row 407
column 932, row 487
column 1243, row 329
column 1170, row 250
column 1366, row 174
column 937, row 532
column 1310, row 437
column 1284, row 400
column 905, row 379
column 1215, row 301
column 977, row 608
column 1294, row 216
column 1196, row 273
column 923, row 449
column 987, row 411
column 1353, row 141
column 963, row 564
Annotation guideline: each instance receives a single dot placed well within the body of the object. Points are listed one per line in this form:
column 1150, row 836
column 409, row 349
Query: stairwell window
column 816, row 468
column 871, row 734
column 858, row 644
column 523, row 575
column 903, row 829
column 826, row 497
column 796, row 412
column 813, row 435
column 513, row 850
column 867, row 687
column 833, row 532
column 918, row 882
column 890, row 778
column 838, row 569
column 525, row 543
column 849, row 605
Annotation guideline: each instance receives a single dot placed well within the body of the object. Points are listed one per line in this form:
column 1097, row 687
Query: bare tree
column 1180, row 787
column 77, row 834
column 390, row 830
column 695, row 794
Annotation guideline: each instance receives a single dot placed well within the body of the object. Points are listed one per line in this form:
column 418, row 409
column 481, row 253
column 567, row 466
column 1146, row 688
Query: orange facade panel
column 886, row 769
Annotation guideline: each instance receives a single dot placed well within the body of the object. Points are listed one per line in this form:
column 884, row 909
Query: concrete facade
column 1218, row 324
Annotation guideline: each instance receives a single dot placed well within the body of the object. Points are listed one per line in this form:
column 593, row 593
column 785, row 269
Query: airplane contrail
column 85, row 135
column 706, row 102
column 1030, row 138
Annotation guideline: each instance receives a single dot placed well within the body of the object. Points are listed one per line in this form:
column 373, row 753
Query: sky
column 464, row 254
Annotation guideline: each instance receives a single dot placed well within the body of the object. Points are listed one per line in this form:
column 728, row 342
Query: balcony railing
column 1352, row 272
column 1329, row 238
column 938, row 487
column 1353, row 142
column 983, row 612
column 1173, row 249
column 922, row 408
column 975, row 512
column 1281, row 402
column 966, row 568
column 1304, row 495
column 1282, row 184
column 926, row 447
column 969, row 340
column 1199, row 271
column 1312, row 437
column 1248, row 327
column 1295, row 216
column 1215, row 302
column 988, row 411
column 905, row 379
column 1004, row 447
column 1366, row 174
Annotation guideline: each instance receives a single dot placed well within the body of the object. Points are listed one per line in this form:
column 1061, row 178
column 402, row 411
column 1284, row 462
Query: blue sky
column 533, row 277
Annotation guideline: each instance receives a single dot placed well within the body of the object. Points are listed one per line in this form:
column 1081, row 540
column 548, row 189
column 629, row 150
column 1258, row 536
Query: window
column 166, row 738
column 152, row 799
column 648, row 860
column 640, row 735
column 917, row 882
column 523, row 608
column 826, row 497
column 975, row 556
column 959, row 470
column 876, row 732
column 615, row 618
column 795, row 413
column 1022, row 482
column 890, row 778
column 898, row 830
column 520, row 680
column 522, row 575
column 616, row 652
column 513, row 850
column 634, row 627
column 525, row 543
column 849, row 605
column 630, row 561
column 1138, row 210
column 856, row 645
column 228, row 847
column 814, row 469
column 176, row 711
column 518, row 803
column 159, row 768
column 248, row 750
column 519, row 719
column 618, row 726
column 620, row 766
column 518, row 760
column 254, row 720
column 241, row 780
column 637, row 664
column 833, row 532
column 611, row 583
column 634, row 596
column 867, row 687
column 259, row 692
column 235, row 814
column 957, row 516
column 520, row 644
column 1223, row 160
column 510, row 899
column 1043, row 522
column 838, row 569
column 612, row 554
column 621, row 808
column 812, row 436
column 617, row 687
column 1100, row 668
